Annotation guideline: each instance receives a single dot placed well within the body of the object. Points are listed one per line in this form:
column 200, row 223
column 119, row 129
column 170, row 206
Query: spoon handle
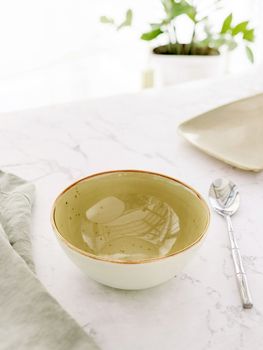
column 239, row 268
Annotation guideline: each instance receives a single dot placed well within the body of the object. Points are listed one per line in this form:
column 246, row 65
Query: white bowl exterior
column 131, row 276
column 175, row 69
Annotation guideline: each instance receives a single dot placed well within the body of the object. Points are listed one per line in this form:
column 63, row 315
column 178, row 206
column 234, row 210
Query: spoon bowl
column 224, row 197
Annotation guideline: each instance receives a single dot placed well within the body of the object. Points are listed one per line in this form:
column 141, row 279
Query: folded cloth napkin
column 29, row 317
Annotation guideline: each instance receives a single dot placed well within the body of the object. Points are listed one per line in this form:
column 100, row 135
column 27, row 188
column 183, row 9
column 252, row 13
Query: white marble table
column 200, row 309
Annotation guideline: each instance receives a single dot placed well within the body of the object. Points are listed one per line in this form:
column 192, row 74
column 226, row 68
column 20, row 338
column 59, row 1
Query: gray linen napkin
column 29, row 317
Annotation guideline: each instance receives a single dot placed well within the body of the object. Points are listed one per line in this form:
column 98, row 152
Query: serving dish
column 130, row 229
column 232, row 133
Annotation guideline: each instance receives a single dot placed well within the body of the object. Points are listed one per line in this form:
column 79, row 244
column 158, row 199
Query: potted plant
column 203, row 55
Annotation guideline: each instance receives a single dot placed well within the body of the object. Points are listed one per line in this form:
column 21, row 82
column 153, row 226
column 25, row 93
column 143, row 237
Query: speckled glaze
column 130, row 274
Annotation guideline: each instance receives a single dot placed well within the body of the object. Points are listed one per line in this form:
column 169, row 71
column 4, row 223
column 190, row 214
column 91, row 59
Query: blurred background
column 58, row 51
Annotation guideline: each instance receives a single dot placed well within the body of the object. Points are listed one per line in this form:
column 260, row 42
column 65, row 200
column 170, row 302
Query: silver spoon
column 224, row 198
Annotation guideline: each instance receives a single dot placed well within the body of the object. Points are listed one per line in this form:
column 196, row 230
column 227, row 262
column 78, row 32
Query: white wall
column 56, row 50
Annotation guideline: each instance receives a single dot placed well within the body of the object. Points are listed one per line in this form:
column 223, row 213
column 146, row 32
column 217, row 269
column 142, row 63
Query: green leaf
column 191, row 13
column 231, row 44
column 183, row 7
column 106, row 20
column 203, row 43
column 219, row 42
column 128, row 20
column 152, row 34
column 129, row 16
column 240, row 28
column 249, row 35
column 250, row 54
column 177, row 10
column 168, row 5
column 174, row 9
column 226, row 24
column 155, row 25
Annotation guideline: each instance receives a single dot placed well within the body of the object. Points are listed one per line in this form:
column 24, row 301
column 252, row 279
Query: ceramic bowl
column 130, row 229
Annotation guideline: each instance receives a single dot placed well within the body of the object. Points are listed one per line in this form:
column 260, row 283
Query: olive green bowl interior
column 70, row 207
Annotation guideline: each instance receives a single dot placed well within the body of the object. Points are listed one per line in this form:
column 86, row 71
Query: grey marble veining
column 200, row 309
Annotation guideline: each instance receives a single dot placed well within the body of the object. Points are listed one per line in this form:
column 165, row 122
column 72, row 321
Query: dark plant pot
column 185, row 50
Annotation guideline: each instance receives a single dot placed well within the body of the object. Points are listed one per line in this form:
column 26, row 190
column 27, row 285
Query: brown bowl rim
column 119, row 261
